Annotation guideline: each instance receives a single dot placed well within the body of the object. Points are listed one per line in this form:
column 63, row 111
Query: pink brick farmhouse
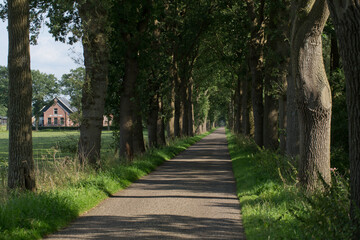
column 58, row 114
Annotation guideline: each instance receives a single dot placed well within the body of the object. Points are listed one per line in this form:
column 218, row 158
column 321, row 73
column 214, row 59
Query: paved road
column 189, row 197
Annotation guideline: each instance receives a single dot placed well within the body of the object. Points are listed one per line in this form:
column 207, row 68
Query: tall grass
column 67, row 189
column 274, row 207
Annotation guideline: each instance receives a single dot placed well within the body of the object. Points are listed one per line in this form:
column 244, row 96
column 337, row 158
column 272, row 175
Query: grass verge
column 33, row 215
column 274, row 207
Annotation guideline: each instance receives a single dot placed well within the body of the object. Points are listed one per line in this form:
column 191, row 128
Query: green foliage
column 4, row 90
column 45, row 88
column 274, row 207
column 33, row 215
column 325, row 215
column 339, row 123
column 71, row 85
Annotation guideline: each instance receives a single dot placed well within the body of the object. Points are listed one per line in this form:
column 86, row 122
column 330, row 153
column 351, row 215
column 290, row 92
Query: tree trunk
column 292, row 127
column 346, row 19
column 96, row 57
column 153, row 121
column 126, row 107
column 271, row 117
column 185, row 104
column 161, row 124
column 191, row 131
column 179, row 107
column 256, row 59
column 21, row 173
column 246, row 102
column 238, row 107
column 282, row 123
column 171, row 123
column 313, row 93
column 138, row 135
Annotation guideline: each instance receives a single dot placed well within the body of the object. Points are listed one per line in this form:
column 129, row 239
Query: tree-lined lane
column 190, row 196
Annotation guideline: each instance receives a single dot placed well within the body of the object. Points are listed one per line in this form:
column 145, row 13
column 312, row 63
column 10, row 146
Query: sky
column 48, row 56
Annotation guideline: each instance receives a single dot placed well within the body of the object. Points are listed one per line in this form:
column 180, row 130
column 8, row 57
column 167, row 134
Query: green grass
column 33, row 215
column 60, row 143
column 272, row 205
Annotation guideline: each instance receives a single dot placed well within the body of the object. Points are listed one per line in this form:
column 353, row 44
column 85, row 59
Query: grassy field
column 57, row 144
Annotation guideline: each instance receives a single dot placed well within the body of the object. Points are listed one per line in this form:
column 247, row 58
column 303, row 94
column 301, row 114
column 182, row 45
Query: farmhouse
column 58, row 114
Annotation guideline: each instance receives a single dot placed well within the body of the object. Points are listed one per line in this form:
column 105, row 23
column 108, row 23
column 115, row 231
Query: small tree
column 45, row 87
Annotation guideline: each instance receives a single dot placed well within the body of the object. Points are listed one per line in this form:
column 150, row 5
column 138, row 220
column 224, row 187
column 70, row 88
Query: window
column 55, row 111
column 49, row 121
column 62, row 121
column 55, row 121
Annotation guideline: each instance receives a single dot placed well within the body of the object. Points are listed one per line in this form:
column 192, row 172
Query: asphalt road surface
column 189, row 197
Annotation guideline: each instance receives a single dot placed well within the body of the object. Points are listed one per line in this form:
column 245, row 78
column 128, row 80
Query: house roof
column 64, row 103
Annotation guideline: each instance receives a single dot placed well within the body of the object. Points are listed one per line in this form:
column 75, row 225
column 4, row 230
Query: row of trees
column 290, row 91
column 183, row 65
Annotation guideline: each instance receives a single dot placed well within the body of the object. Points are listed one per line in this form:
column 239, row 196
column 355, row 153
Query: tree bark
column 161, row 124
column 246, row 102
column 126, row 106
column 179, row 107
column 171, row 123
column 96, row 57
column 256, row 62
column 138, row 136
column 271, row 117
column 313, row 92
column 153, row 121
column 282, row 122
column 21, row 173
column 238, row 106
column 191, row 130
column 292, row 126
column 346, row 19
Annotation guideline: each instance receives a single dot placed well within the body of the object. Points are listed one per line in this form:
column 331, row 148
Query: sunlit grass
column 274, row 207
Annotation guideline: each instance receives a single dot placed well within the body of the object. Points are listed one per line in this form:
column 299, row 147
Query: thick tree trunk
column 346, row 19
column 292, row 126
column 153, row 121
column 21, row 173
column 313, row 93
column 126, row 107
column 96, row 59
